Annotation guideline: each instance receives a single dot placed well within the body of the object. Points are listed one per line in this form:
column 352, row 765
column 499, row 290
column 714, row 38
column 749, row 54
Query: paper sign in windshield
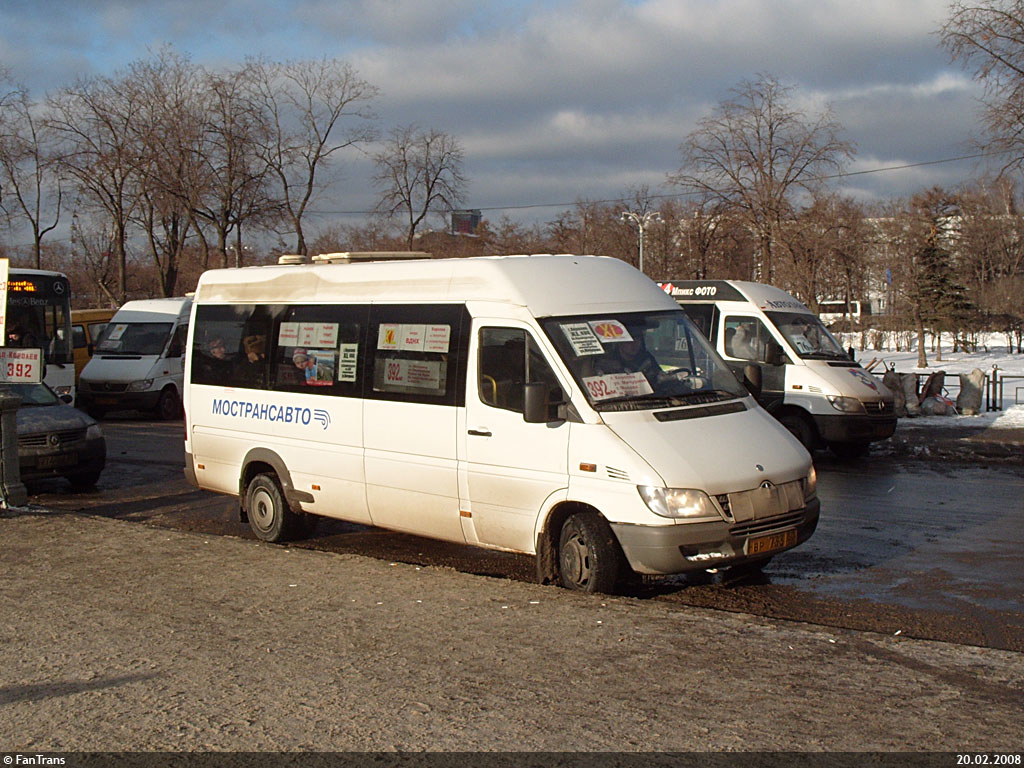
column 610, row 331
column 617, row 385
column 582, row 339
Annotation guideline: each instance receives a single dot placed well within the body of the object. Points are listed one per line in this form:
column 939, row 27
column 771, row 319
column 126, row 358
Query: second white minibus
column 559, row 406
column 808, row 380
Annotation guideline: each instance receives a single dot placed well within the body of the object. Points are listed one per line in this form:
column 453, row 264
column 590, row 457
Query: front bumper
column 855, row 428
column 118, row 401
column 72, row 458
column 665, row 549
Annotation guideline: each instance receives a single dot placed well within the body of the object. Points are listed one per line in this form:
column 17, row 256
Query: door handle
column 480, row 432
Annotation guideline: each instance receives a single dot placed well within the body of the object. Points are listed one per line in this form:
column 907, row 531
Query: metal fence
column 1001, row 390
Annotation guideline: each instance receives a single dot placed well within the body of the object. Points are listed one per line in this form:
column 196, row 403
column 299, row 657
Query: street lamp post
column 641, row 220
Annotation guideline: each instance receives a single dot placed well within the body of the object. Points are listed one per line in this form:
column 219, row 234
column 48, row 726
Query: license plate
column 771, row 542
column 106, row 400
column 57, row 460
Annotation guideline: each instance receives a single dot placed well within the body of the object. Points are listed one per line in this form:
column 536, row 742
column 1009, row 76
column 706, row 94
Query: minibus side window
column 177, row 346
column 316, row 350
column 507, row 359
column 418, row 353
column 746, row 338
column 217, row 344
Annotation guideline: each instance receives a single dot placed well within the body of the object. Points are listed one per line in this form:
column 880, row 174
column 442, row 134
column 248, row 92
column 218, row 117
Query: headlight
column 678, row 502
column 811, row 484
column 846, row 404
column 93, row 432
column 140, row 386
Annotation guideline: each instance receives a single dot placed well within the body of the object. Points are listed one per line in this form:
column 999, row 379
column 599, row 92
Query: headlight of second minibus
column 811, row 484
column 846, row 404
column 678, row 502
column 140, row 386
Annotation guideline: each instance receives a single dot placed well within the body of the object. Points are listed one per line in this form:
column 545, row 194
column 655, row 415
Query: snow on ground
column 994, row 354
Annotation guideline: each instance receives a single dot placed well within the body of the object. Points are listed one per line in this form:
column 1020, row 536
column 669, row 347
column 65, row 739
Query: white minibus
column 555, row 405
column 807, row 380
column 138, row 360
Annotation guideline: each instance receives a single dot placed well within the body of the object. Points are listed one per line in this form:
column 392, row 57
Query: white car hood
column 719, row 454
column 124, row 369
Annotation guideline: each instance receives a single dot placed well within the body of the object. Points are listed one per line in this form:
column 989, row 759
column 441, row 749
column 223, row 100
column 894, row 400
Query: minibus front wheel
column 269, row 515
column 588, row 554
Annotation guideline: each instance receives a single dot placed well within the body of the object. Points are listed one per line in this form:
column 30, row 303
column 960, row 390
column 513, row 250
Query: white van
column 807, row 380
column 501, row 402
column 138, row 360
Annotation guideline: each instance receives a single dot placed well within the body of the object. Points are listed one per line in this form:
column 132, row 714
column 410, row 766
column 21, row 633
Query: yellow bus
column 86, row 325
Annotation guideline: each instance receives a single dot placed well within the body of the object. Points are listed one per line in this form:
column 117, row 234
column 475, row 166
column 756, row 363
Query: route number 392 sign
column 24, row 366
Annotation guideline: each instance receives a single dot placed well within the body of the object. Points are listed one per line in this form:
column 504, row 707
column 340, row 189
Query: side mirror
column 67, row 399
column 752, row 379
column 773, row 354
column 537, row 405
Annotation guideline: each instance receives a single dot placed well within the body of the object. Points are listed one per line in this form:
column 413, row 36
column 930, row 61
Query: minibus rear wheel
column 269, row 515
column 588, row 554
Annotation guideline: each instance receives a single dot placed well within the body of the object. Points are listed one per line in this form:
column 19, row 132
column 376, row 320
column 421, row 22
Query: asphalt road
column 928, row 549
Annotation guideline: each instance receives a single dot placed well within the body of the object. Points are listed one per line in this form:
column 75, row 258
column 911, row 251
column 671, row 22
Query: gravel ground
column 118, row 636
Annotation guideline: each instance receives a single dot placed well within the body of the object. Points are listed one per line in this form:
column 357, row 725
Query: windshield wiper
column 655, row 400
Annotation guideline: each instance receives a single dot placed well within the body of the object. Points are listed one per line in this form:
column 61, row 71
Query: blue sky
column 557, row 100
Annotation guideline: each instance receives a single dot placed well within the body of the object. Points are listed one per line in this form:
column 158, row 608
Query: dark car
column 56, row 440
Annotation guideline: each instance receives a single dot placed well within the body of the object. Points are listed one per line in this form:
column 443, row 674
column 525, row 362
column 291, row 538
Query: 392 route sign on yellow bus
column 22, row 366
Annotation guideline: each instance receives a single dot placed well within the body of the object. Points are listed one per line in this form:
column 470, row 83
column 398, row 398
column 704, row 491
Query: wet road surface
column 925, row 549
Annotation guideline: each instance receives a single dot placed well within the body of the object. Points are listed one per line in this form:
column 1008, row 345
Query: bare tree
column 987, row 36
column 314, row 109
column 756, row 153
column 228, row 186
column 167, row 131
column 29, row 177
column 420, row 172
column 94, row 120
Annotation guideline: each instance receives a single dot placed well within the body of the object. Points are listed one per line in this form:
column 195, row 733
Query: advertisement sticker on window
column 610, row 331
column 347, row 359
column 422, row 374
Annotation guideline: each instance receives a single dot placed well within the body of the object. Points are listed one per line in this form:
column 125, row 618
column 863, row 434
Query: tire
column 589, row 559
column 850, row 450
column 269, row 516
column 168, row 407
column 748, row 571
column 800, row 429
column 85, row 480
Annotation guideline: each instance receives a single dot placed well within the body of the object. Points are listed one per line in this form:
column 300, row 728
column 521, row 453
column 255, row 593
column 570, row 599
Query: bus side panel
column 318, row 438
column 411, row 468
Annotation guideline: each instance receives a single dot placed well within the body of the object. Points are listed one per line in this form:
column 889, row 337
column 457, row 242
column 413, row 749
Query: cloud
column 557, row 99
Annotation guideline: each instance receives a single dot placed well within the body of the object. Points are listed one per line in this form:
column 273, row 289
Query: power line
column 674, row 195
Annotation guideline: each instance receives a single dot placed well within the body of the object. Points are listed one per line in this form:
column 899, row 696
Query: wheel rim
column 575, row 559
column 261, row 510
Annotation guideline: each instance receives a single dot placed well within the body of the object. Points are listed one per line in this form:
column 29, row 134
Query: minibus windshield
column 133, row 338
column 635, row 360
column 808, row 336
